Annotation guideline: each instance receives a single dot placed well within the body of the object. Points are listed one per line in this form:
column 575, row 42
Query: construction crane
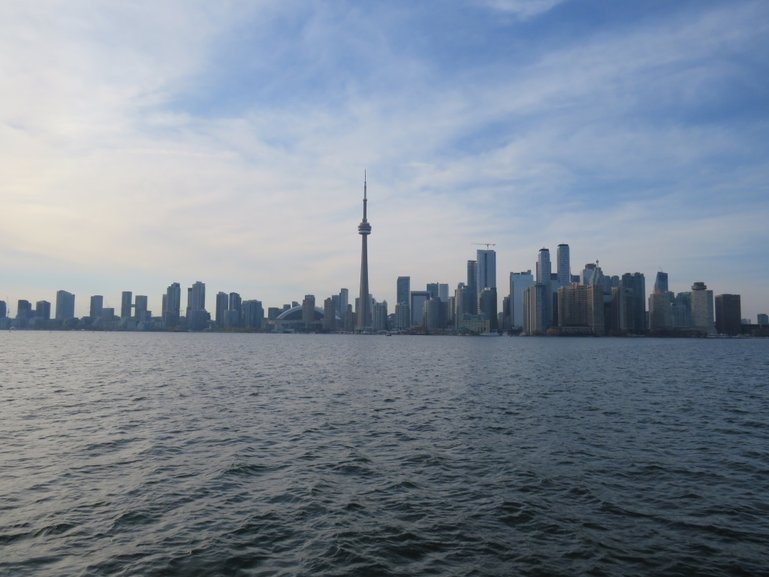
column 486, row 244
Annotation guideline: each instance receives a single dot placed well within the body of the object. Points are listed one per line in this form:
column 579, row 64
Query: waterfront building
column 402, row 290
column 633, row 303
column 42, row 310
column 3, row 310
column 363, row 312
column 126, row 301
column 544, row 301
column 65, row 305
column 97, row 305
column 23, row 313
column 140, row 309
column 681, row 311
column 308, row 312
column 702, row 308
column 519, row 282
column 172, row 303
column 329, row 314
column 402, row 316
column 563, row 265
column 417, row 306
column 486, row 269
column 661, row 282
column 762, row 319
column 342, row 302
column 581, row 309
column 487, row 306
column 253, row 314
column 660, row 310
column 728, row 314
column 197, row 315
column 472, row 287
column 433, row 316
column 220, row 311
column 537, row 300
column 379, row 313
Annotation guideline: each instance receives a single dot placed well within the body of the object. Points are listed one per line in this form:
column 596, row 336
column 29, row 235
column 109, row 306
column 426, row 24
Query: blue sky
column 144, row 143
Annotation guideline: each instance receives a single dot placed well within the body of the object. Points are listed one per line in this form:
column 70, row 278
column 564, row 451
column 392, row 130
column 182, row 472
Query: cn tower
column 364, row 229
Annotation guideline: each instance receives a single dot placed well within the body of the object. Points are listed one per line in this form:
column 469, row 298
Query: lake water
column 215, row 454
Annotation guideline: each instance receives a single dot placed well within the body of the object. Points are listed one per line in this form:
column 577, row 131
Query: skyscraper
column 661, row 282
column 97, row 305
column 197, row 316
column 728, row 314
column 633, row 311
column 471, row 291
column 564, row 265
column 126, row 299
column 65, row 305
column 364, row 229
column 140, row 309
column 544, row 298
column 519, row 282
column 487, row 269
column 172, row 305
column 403, row 289
column 702, row 308
column 220, row 310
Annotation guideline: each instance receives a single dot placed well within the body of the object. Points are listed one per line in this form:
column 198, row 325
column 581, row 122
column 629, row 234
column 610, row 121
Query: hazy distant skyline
column 149, row 143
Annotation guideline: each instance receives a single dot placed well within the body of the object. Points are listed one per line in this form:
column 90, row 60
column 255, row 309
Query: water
column 213, row 454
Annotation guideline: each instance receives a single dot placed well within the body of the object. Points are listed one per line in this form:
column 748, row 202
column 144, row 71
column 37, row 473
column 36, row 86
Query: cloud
column 522, row 9
column 232, row 150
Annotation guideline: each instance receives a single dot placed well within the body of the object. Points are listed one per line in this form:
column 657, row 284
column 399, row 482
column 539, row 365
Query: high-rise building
column 564, row 265
column 536, row 300
column 3, row 310
column 222, row 301
column 487, row 306
column 172, row 303
column 519, row 282
column 329, row 315
column 342, row 302
column 486, row 269
column 544, row 277
column 140, row 309
column 65, row 305
column 418, row 300
column 402, row 316
column 762, row 319
column 471, row 289
column 379, row 316
column 633, row 303
column 660, row 310
column 197, row 315
column 363, row 313
column 97, row 305
column 661, row 282
column 253, row 314
column 728, row 314
column 308, row 312
column 403, row 290
column 702, row 308
column 126, row 300
column 23, row 313
column 43, row 310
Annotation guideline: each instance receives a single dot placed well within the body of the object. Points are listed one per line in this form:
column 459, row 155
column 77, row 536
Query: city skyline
column 144, row 145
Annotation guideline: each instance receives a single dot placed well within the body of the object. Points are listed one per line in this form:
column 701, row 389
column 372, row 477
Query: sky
column 144, row 143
